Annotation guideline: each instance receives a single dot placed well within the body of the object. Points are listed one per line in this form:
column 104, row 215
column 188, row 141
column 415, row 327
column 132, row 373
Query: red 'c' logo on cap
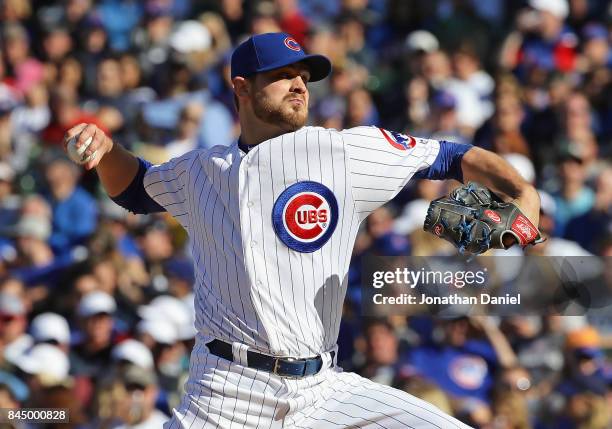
column 292, row 44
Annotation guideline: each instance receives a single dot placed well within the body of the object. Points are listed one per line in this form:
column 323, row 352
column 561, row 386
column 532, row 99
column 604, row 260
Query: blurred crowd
column 96, row 304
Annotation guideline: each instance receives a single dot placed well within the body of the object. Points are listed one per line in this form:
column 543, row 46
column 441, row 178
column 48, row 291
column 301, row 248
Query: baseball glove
column 475, row 220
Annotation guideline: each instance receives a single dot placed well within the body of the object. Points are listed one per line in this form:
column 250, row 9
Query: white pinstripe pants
column 222, row 394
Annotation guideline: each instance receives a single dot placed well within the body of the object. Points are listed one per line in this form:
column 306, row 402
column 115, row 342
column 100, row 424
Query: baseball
column 77, row 155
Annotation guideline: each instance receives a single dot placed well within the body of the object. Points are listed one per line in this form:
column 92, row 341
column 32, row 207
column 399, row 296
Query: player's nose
column 298, row 85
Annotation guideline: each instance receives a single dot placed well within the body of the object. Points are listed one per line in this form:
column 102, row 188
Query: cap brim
column 104, row 311
column 318, row 65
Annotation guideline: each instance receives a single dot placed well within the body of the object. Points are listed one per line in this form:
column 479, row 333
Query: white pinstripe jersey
column 262, row 279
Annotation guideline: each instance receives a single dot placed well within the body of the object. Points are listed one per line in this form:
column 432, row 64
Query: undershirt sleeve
column 135, row 198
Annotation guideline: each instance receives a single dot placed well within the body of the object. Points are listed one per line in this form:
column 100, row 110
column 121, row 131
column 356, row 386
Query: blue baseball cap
column 269, row 51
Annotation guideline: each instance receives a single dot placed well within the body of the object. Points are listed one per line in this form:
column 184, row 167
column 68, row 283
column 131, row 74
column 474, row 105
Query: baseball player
column 272, row 220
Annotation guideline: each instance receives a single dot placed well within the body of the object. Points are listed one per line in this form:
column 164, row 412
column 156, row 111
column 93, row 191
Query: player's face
column 280, row 97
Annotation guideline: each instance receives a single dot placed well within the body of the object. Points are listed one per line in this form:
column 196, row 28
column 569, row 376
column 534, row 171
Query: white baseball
column 77, row 155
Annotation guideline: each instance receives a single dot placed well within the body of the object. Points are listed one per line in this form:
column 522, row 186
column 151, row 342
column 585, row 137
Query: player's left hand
column 475, row 220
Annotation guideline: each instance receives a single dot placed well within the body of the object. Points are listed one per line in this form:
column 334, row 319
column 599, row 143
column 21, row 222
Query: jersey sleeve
column 381, row 162
column 166, row 185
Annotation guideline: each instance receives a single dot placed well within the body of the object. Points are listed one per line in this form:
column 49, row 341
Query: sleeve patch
column 397, row 140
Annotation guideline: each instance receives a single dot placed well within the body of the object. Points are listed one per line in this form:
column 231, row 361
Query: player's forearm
column 116, row 166
column 494, row 172
column 117, row 169
column 121, row 173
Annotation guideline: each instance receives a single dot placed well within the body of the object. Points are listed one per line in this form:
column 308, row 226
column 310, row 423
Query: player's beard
column 288, row 118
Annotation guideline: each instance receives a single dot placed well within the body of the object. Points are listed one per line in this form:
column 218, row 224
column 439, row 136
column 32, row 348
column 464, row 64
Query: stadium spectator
column 74, row 211
column 460, row 363
column 574, row 198
column 13, row 336
column 382, row 352
column 140, row 386
column 510, row 401
column 586, row 229
column 91, row 355
column 51, row 328
column 65, row 113
column 24, row 68
column 187, row 133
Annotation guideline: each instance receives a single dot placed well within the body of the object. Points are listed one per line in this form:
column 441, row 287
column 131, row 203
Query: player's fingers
column 94, row 149
column 86, row 133
column 93, row 162
column 71, row 133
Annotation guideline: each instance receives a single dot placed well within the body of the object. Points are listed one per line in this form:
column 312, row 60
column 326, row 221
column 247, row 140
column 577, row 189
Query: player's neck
column 256, row 131
column 253, row 139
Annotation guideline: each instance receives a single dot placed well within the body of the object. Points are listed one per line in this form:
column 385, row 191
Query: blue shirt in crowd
column 463, row 372
column 74, row 220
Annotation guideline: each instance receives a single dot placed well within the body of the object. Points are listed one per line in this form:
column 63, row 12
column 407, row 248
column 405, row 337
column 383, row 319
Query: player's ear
column 241, row 86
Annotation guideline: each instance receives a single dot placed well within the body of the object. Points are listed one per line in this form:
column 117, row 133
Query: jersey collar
column 243, row 147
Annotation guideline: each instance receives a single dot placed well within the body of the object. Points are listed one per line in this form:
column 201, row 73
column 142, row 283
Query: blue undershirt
column 135, row 197
column 447, row 164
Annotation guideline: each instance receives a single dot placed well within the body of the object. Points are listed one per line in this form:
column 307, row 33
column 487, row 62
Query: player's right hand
column 100, row 142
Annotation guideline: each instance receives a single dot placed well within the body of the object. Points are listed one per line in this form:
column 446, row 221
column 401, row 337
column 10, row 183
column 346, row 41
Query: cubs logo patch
column 397, row 140
column 468, row 372
column 292, row 44
column 305, row 216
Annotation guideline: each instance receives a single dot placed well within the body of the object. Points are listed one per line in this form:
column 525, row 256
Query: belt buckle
column 290, row 376
column 275, row 367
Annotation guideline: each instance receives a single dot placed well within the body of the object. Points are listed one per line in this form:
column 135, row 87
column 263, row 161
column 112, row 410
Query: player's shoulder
column 377, row 138
column 310, row 137
column 363, row 130
column 172, row 166
column 344, row 135
column 180, row 159
column 367, row 133
column 202, row 154
column 217, row 151
column 364, row 136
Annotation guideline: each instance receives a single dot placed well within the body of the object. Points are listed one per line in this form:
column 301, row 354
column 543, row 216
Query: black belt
column 284, row 367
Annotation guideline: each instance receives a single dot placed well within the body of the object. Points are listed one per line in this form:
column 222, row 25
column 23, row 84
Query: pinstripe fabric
column 253, row 289
column 222, row 394
column 250, row 287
